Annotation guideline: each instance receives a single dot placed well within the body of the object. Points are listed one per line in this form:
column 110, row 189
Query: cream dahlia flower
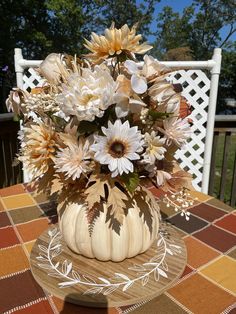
column 16, row 99
column 164, row 94
column 115, row 42
column 39, row 145
column 152, row 68
column 74, row 160
column 150, row 168
column 142, row 74
column 126, row 100
column 86, row 96
column 52, row 67
column 118, row 147
column 20, row 101
column 161, row 177
column 176, row 131
column 138, row 80
column 154, row 147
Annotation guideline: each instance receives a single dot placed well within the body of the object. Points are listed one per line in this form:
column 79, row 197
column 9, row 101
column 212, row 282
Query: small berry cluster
column 180, row 201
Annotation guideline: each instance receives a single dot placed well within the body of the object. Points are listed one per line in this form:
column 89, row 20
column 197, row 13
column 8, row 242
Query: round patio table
column 207, row 285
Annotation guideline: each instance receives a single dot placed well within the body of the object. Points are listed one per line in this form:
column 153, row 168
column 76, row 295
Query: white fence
column 198, row 89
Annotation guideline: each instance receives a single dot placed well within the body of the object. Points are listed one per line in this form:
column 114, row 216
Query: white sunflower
column 118, row 147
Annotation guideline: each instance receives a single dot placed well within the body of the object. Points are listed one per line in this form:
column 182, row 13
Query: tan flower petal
column 115, row 42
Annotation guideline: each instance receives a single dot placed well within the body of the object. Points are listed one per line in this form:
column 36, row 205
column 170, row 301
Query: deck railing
column 9, row 175
column 223, row 163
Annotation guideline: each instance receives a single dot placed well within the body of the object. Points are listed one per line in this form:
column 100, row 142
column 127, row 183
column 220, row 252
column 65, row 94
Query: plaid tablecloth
column 208, row 284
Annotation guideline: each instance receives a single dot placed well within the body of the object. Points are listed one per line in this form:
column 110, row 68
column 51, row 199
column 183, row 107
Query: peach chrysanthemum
column 74, row 160
column 38, row 148
column 154, row 147
column 176, row 131
column 115, row 42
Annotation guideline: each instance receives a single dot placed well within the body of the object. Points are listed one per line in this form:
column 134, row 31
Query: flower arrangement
column 103, row 124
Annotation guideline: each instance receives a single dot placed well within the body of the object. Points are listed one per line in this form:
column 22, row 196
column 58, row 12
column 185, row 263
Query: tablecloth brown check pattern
column 208, row 284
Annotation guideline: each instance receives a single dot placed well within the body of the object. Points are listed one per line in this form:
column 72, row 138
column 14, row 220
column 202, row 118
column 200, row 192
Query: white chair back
column 200, row 91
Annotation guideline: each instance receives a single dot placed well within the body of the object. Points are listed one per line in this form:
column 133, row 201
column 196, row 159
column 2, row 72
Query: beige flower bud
column 51, row 68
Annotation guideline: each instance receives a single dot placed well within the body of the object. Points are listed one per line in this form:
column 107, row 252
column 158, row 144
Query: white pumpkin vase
column 134, row 236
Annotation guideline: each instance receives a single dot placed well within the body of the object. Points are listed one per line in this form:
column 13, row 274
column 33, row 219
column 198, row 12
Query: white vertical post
column 18, row 68
column 215, row 72
column 19, row 83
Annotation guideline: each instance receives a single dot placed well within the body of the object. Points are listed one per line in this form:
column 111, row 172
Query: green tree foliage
column 70, row 22
column 128, row 12
column 180, row 53
column 228, row 74
column 173, row 29
column 23, row 24
column 196, row 32
column 198, row 27
column 42, row 26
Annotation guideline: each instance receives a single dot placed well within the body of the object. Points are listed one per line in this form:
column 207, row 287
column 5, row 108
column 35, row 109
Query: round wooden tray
column 89, row 282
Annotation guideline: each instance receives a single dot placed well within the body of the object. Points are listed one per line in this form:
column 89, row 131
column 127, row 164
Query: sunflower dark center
column 117, row 149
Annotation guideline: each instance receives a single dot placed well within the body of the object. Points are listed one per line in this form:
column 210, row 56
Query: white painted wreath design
column 64, row 270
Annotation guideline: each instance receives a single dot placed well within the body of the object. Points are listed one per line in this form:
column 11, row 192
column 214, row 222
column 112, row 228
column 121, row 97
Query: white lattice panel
column 31, row 79
column 196, row 87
